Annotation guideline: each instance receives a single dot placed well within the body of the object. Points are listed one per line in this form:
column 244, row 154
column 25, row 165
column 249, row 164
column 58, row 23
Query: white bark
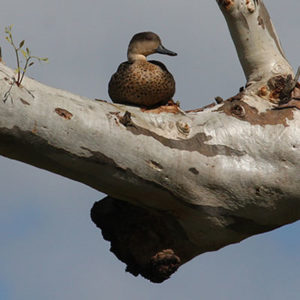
column 223, row 173
column 255, row 38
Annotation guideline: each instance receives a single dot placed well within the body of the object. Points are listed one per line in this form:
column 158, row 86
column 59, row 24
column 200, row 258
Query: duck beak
column 162, row 50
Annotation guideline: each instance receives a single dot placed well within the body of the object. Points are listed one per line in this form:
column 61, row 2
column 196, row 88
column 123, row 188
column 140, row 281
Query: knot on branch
column 126, row 119
column 183, row 128
column 238, row 108
column 227, row 4
column 280, row 89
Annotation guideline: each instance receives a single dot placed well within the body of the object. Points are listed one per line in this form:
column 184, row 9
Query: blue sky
column 49, row 247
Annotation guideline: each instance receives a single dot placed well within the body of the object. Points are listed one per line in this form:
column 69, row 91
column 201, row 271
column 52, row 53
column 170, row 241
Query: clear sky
column 49, row 247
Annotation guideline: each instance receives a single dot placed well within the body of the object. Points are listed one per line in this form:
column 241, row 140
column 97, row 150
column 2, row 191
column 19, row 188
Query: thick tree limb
column 193, row 182
column 255, row 38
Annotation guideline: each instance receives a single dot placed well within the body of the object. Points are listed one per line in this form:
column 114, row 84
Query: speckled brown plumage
column 143, row 83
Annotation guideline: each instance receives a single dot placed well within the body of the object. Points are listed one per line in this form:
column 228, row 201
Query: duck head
column 145, row 43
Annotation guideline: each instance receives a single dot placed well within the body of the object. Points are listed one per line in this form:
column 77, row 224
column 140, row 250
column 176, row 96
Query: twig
column 7, row 94
column 297, row 76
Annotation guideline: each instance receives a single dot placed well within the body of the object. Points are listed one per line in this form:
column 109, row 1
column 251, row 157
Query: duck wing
column 123, row 65
column 160, row 64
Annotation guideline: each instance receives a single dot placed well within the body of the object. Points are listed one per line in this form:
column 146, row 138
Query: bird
column 140, row 82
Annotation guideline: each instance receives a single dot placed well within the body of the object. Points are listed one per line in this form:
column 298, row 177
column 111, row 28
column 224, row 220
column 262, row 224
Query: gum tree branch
column 179, row 183
column 256, row 41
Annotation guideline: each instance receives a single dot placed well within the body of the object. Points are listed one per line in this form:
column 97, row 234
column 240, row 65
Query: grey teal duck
column 141, row 82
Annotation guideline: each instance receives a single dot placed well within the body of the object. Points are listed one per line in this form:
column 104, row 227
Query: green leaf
column 28, row 52
column 21, row 44
column 8, row 28
column 31, row 64
column 24, row 53
column 44, row 59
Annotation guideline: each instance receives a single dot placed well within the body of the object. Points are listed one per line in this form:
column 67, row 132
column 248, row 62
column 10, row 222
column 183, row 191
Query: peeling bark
column 186, row 182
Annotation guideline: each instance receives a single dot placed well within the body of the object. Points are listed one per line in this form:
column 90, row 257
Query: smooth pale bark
column 255, row 38
column 191, row 181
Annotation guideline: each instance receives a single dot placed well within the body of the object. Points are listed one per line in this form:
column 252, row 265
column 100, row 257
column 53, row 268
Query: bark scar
column 227, row 4
column 126, row 119
column 64, row 113
column 24, row 101
column 194, row 171
column 244, row 112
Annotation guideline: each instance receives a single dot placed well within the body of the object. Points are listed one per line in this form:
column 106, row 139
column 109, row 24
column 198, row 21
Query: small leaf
column 44, row 59
column 21, row 44
column 24, row 53
column 8, row 39
column 31, row 64
column 28, row 52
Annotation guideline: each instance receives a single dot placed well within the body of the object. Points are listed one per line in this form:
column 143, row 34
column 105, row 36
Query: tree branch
column 255, row 39
column 191, row 181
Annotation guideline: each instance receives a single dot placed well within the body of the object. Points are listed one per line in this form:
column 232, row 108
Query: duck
column 140, row 82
